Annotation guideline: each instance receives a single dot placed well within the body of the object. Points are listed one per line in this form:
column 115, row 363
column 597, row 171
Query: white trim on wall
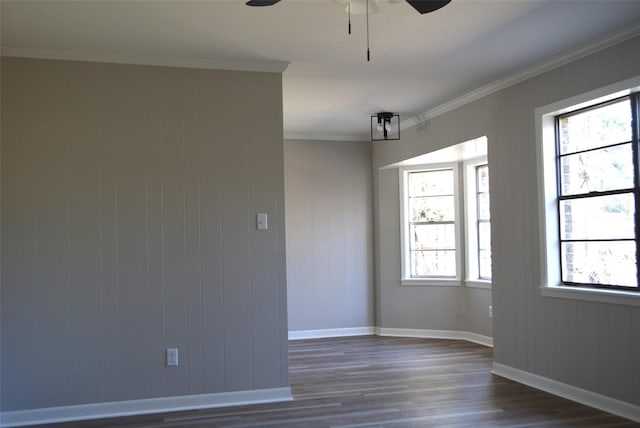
column 522, row 75
column 331, row 332
column 144, row 59
column 141, row 407
column 320, row 138
column 472, row 263
column 405, row 256
column 394, row 332
column 607, row 404
column 437, row 334
column 545, row 130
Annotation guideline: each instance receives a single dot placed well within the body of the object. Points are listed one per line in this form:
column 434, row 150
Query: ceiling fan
column 422, row 6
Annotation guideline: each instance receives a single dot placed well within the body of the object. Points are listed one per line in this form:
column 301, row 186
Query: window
column 437, row 247
column 478, row 223
column 478, row 219
column 597, row 194
column 483, row 222
column 590, row 195
column 430, row 223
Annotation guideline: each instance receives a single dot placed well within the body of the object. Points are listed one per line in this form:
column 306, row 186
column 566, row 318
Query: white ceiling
column 418, row 62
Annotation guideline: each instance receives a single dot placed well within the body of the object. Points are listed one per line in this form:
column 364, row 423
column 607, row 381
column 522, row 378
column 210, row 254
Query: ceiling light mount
column 359, row 7
column 385, row 126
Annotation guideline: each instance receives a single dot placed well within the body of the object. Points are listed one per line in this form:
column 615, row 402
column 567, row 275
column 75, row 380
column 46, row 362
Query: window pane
column 431, row 183
column 606, row 263
column 433, row 263
column 432, row 208
column 433, row 236
column 485, row 264
column 598, row 127
column 597, row 171
column 482, row 177
column 483, row 206
column 484, row 236
column 601, row 217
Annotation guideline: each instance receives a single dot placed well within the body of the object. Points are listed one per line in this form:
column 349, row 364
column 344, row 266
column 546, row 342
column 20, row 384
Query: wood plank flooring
column 389, row 382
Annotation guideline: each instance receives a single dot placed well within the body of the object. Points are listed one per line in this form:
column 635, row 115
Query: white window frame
column 547, row 194
column 406, row 278
column 472, row 278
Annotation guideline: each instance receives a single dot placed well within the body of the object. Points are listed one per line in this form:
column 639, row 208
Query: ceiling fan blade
column 426, row 6
column 261, row 2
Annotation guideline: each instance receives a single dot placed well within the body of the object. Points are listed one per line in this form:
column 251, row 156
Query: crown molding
column 527, row 73
column 142, row 59
column 315, row 137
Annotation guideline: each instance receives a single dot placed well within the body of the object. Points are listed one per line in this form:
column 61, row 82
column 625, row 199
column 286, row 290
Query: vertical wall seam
column 68, row 291
column 344, row 190
column 251, row 215
column 101, row 136
column 117, row 259
column 185, row 241
column 147, row 224
column 221, row 233
column 198, row 79
column 37, row 180
column 162, row 235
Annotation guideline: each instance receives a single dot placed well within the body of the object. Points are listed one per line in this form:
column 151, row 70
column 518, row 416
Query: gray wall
column 129, row 196
column 595, row 346
column 328, row 193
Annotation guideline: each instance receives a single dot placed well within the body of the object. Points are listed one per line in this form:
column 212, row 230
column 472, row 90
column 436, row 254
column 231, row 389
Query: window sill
column 478, row 283
column 592, row 295
column 439, row 282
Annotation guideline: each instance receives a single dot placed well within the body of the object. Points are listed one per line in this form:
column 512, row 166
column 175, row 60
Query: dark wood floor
column 390, row 382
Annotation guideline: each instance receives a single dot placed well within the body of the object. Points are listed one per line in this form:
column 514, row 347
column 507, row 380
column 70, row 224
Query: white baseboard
column 436, row 334
column 331, row 332
column 400, row 332
column 611, row 405
column 140, row 407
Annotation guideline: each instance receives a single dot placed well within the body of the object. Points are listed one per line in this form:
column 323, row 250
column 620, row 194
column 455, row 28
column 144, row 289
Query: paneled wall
column 329, row 234
column 129, row 196
column 594, row 346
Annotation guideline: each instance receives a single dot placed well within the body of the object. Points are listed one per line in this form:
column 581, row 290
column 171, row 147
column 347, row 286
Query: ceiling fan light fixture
column 386, row 126
column 359, row 7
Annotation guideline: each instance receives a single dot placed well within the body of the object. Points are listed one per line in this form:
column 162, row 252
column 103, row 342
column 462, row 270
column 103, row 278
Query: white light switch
column 172, row 357
column 261, row 221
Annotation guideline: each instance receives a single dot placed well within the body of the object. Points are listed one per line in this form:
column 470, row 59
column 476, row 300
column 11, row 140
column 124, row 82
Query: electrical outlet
column 490, row 311
column 172, row 357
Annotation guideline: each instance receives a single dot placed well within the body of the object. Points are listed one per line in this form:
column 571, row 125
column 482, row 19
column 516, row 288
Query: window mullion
column 593, row 149
column 596, row 194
